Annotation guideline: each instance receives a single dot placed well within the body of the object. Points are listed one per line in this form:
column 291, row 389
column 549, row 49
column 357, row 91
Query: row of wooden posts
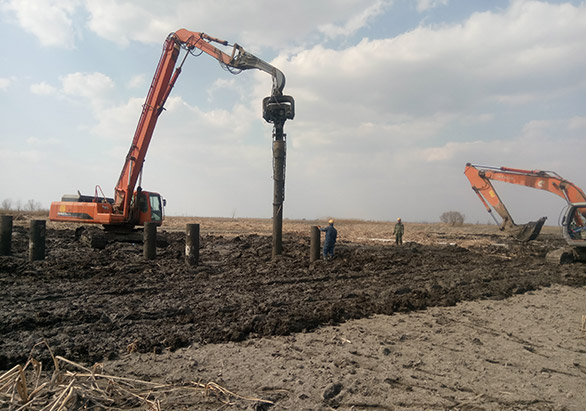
column 191, row 243
column 36, row 246
column 38, row 235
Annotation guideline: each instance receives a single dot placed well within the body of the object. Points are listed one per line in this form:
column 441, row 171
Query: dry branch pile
column 73, row 386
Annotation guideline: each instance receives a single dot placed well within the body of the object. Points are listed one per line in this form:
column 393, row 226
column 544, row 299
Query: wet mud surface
column 94, row 305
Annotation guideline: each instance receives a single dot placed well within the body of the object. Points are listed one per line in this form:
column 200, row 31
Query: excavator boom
column 162, row 84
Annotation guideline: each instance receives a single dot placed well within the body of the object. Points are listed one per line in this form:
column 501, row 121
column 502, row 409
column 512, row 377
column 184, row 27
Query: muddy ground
column 220, row 321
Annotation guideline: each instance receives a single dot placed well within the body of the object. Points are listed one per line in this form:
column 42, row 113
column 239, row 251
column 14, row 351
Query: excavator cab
column 574, row 225
column 150, row 207
column 574, row 233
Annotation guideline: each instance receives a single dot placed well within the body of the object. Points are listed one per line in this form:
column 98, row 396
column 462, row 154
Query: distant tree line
column 453, row 218
column 31, row 206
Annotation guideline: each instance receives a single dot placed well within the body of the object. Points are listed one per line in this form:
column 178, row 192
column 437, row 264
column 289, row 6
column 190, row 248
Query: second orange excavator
column 481, row 178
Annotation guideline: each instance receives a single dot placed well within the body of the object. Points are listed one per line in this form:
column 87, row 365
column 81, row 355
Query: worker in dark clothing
column 398, row 232
column 330, row 241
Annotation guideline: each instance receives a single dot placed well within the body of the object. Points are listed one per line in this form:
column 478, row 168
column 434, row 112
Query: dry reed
column 73, row 386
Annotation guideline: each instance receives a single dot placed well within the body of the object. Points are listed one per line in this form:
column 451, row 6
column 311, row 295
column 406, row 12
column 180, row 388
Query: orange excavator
column 132, row 207
column 481, row 178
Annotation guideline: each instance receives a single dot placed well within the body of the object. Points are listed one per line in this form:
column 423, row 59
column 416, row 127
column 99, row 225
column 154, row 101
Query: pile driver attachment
column 277, row 109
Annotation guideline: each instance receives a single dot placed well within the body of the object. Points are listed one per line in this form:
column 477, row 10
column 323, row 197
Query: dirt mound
column 91, row 305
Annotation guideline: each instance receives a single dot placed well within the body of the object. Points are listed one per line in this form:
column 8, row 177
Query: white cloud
column 230, row 89
column 354, row 22
column 577, row 123
column 452, row 69
column 37, row 142
column 537, row 146
column 118, row 122
column 182, row 131
column 16, row 156
column 122, row 22
column 137, row 81
column 215, row 126
column 424, row 5
column 95, row 87
column 255, row 23
column 42, row 88
column 395, row 112
column 449, row 151
column 51, row 21
column 4, row 83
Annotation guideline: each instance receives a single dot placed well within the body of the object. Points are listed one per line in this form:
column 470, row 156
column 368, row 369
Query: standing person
column 399, row 230
column 330, row 241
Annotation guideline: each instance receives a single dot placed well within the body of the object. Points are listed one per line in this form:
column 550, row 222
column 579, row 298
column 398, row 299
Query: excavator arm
column 481, row 178
column 163, row 81
column 485, row 191
column 239, row 58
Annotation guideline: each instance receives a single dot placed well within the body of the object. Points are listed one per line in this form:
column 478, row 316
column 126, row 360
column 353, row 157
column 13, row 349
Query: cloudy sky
column 393, row 98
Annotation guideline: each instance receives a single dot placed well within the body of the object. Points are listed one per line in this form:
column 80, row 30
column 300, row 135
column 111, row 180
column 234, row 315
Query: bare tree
column 6, row 204
column 452, row 218
column 32, row 205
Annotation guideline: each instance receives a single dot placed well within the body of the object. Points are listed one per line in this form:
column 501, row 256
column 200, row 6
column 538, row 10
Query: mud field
column 113, row 307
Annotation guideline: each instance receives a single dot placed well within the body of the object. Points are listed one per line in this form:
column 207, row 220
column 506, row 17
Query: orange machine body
column 149, row 208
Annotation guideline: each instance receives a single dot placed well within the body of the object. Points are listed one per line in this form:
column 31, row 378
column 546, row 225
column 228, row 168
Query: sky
column 392, row 99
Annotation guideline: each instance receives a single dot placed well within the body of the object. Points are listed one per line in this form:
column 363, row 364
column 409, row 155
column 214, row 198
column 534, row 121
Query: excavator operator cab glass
column 576, row 223
column 143, row 205
column 156, row 207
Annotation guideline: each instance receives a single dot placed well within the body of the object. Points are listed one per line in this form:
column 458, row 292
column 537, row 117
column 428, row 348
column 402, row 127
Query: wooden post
column 36, row 246
column 192, row 244
column 150, row 241
column 314, row 244
column 5, row 234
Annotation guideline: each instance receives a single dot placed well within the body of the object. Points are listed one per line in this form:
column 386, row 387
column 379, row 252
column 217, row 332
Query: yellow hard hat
column 399, row 219
column 331, row 221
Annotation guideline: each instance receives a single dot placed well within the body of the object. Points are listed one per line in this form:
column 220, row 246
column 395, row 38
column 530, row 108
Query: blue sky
column 393, row 98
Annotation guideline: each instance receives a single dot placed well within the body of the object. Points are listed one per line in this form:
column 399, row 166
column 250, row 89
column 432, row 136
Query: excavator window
column 577, row 226
column 143, row 205
column 156, row 209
